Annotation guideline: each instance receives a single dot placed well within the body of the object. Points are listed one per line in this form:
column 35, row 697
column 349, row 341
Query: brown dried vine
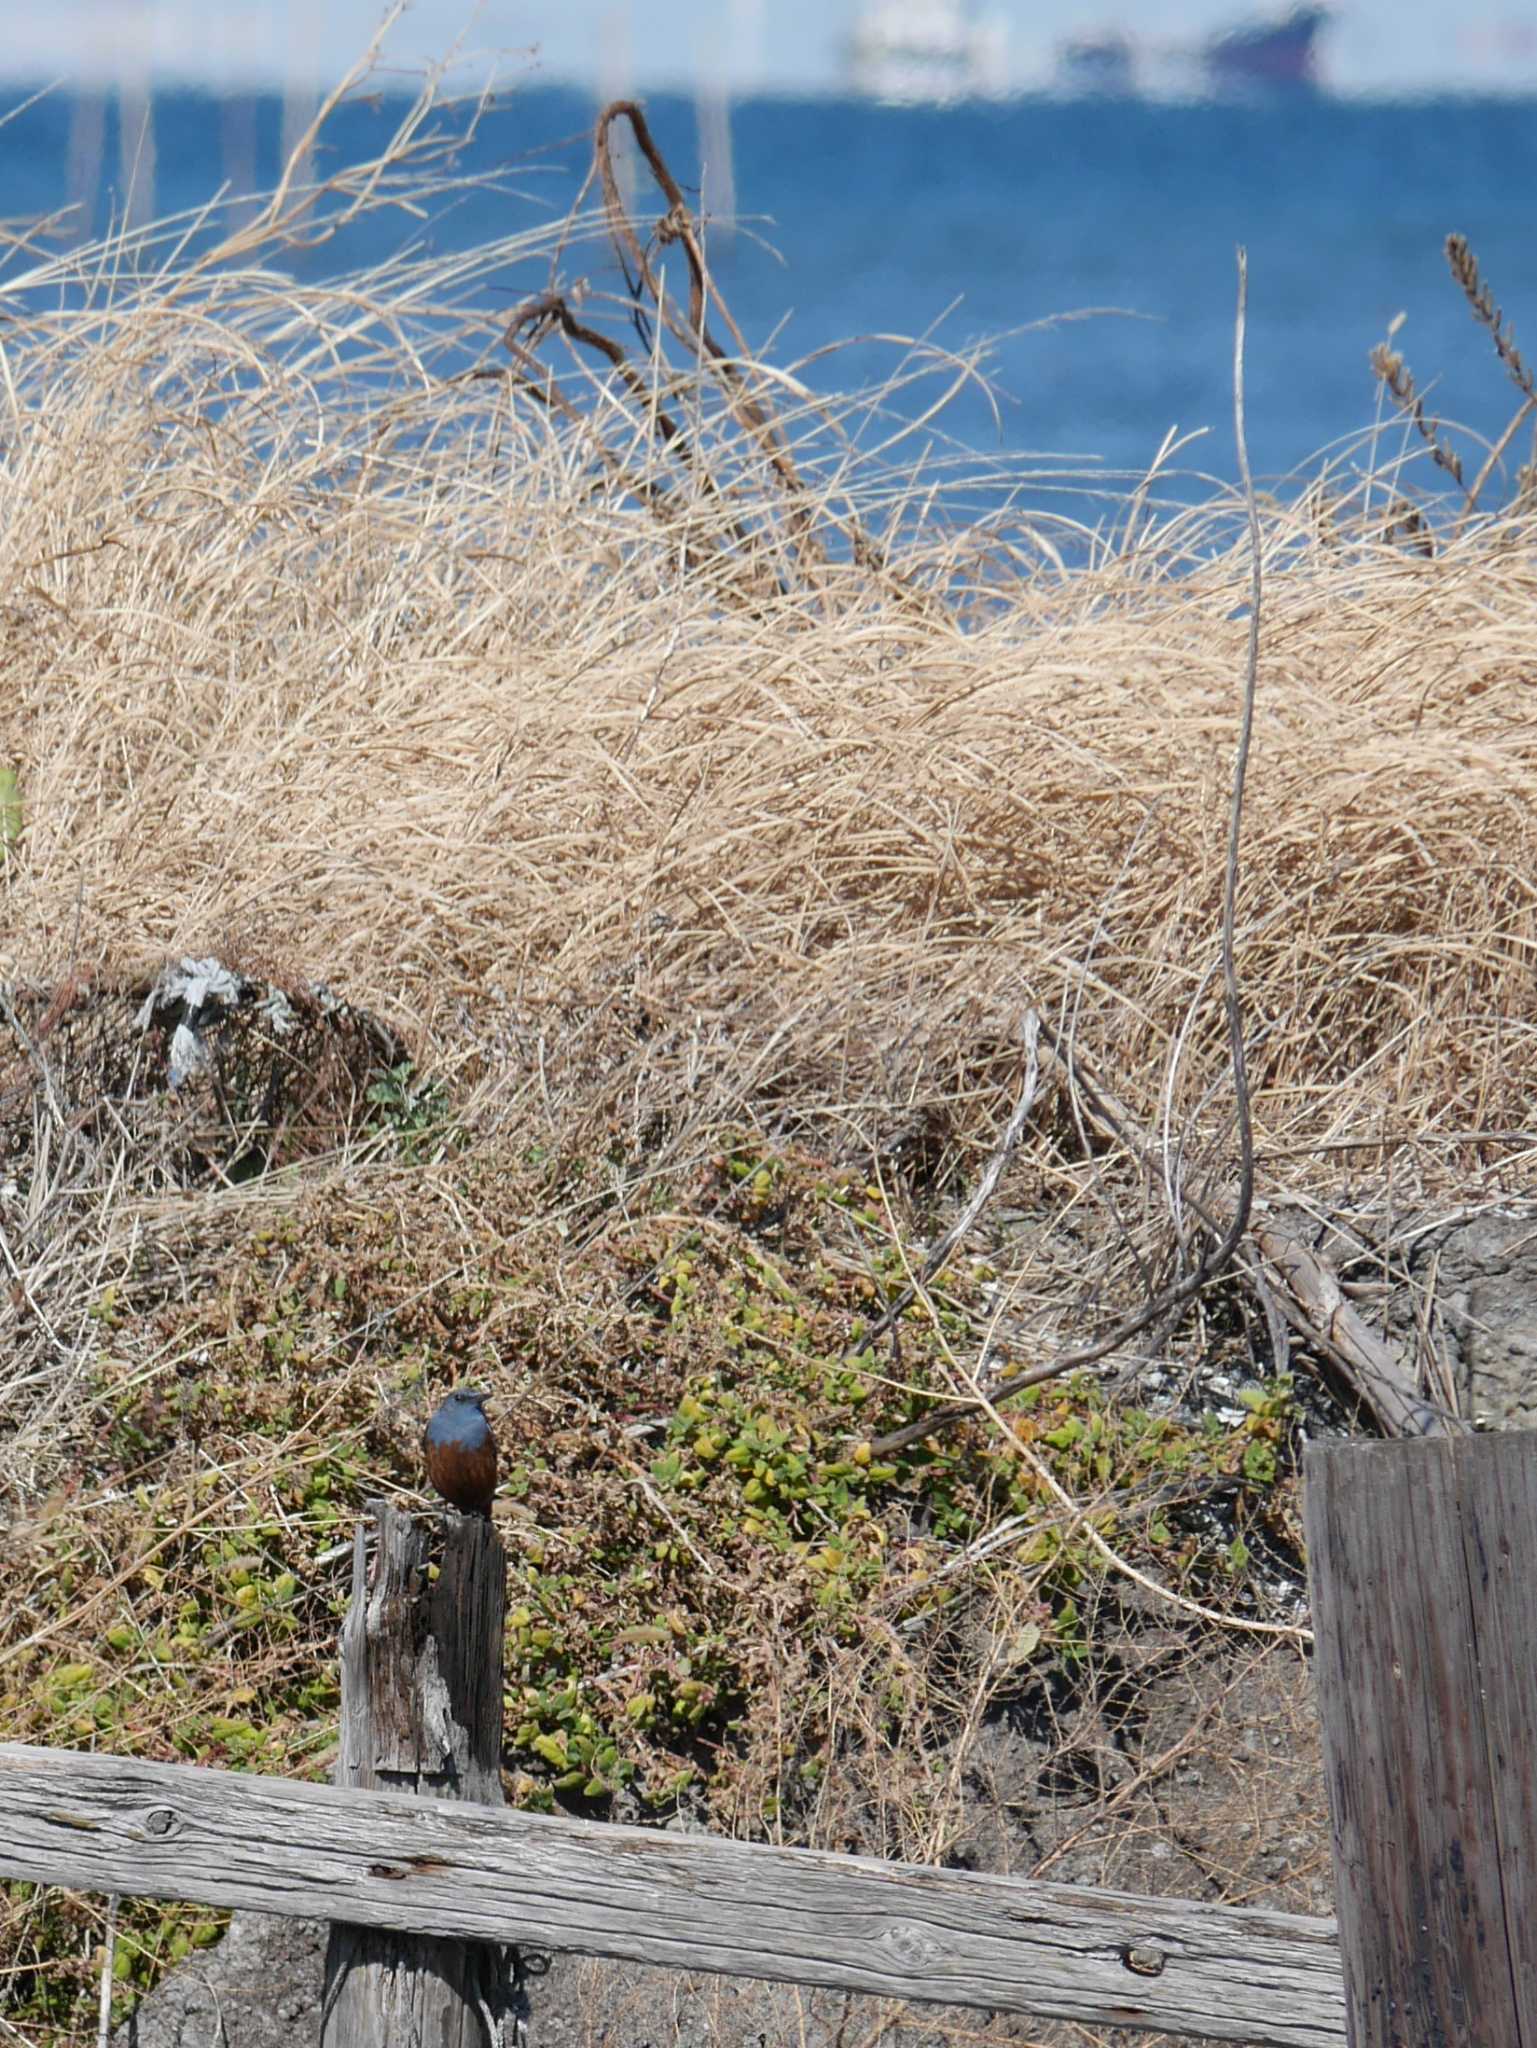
column 732, row 369
column 678, row 225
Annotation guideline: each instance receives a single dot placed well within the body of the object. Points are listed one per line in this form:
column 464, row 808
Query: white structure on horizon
column 927, row 51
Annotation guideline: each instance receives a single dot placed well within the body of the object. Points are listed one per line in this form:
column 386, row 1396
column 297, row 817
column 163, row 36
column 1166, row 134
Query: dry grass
column 320, row 660
column 652, row 795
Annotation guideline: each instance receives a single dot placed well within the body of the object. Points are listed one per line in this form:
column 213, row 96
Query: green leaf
column 1259, row 1462
column 1023, row 1646
column 10, row 809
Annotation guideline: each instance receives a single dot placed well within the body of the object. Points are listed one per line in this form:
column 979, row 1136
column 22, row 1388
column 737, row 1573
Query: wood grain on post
column 421, row 1714
column 1423, row 1563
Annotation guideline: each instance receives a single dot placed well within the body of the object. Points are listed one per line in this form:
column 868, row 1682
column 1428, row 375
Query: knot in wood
column 914, row 1946
column 160, row 1821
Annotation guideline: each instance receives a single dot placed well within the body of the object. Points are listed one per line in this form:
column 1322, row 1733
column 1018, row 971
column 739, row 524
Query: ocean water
column 1012, row 222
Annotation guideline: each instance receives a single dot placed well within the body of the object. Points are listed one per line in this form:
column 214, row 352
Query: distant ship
column 1102, row 66
column 1274, row 54
column 1268, row 55
column 917, row 52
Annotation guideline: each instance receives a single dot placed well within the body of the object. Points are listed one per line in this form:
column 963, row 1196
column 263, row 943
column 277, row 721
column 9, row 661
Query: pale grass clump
column 654, row 762
column 390, row 684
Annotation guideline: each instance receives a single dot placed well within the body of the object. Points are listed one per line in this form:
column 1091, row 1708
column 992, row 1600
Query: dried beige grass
column 323, row 658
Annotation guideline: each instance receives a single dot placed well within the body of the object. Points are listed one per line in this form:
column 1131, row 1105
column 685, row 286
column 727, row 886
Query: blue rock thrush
column 460, row 1452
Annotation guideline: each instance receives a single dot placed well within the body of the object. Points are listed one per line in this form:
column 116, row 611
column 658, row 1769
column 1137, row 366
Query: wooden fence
column 1425, row 1604
column 482, row 1874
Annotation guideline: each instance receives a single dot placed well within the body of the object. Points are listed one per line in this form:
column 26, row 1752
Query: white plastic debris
column 197, row 984
column 193, row 982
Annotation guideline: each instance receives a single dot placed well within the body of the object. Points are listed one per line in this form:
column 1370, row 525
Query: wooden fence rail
column 378, row 1859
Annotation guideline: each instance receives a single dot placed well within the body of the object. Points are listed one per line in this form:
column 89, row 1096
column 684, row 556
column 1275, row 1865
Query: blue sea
column 1020, row 223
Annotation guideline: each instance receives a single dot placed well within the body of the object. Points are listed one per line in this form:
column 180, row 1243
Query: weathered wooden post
column 421, row 1713
column 1423, row 1563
